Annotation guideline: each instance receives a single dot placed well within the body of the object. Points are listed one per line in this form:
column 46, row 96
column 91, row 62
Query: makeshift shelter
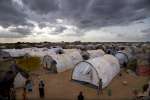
column 49, row 63
column 20, row 76
column 14, row 77
column 57, row 50
column 15, row 52
column 89, row 54
column 124, row 56
column 19, row 80
column 96, row 53
column 85, row 55
column 59, row 63
column 92, row 70
column 4, row 55
column 75, row 56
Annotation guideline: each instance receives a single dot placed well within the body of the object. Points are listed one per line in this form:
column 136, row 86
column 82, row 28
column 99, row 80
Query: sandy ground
column 60, row 86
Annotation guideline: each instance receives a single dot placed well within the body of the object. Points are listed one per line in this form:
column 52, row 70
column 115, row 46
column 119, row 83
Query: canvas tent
column 4, row 55
column 92, row 70
column 124, row 56
column 40, row 52
column 96, row 53
column 89, row 54
column 19, row 81
column 59, row 63
column 75, row 56
column 15, row 52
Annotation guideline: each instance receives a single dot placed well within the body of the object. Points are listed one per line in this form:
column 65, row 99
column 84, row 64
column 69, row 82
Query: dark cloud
column 58, row 30
column 113, row 12
column 83, row 14
column 10, row 15
column 42, row 6
column 23, row 30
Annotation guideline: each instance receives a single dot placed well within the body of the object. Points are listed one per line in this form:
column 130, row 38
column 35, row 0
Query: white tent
column 92, row 70
column 124, row 56
column 19, row 81
column 96, row 53
column 75, row 56
column 4, row 54
column 40, row 52
column 15, row 52
column 63, row 62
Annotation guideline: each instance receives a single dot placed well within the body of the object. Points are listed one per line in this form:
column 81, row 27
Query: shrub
column 29, row 63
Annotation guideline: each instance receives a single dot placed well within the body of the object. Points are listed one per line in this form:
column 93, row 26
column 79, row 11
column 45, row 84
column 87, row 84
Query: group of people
column 29, row 87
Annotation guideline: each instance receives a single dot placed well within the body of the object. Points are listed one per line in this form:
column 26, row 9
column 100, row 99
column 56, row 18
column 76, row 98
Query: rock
column 124, row 82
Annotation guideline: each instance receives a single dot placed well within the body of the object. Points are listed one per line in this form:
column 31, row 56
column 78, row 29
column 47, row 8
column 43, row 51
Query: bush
column 29, row 63
column 132, row 65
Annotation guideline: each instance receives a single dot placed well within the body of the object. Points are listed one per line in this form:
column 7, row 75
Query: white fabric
column 96, row 53
column 40, row 52
column 106, row 68
column 19, row 81
column 123, row 56
column 15, row 52
column 75, row 57
column 64, row 62
column 47, row 61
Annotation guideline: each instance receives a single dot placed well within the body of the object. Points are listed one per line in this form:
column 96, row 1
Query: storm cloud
column 71, row 17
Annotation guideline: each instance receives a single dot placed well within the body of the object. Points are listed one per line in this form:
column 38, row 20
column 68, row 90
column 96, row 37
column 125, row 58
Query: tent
column 96, row 53
column 15, row 52
column 89, row 54
column 75, row 56
column 124, row 56
column 92, row 70
column 4, row 55
column 59, row 62
column 19, row 80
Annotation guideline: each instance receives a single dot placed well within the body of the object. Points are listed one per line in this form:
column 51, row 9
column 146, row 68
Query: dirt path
column 58, row 86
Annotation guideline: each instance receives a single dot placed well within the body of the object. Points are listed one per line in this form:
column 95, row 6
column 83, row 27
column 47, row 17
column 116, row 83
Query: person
column 41, row 89
column 12, row 94
column 29, row 86
column 24, row 94
column 80, row 96
column 100, row 86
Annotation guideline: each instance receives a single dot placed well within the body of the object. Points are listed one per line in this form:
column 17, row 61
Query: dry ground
column 60, row 86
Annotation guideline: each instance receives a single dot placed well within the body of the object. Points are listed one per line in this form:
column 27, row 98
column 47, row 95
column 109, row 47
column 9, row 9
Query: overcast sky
column 73, row 20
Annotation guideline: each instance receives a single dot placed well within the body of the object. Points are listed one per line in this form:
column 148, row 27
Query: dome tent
column 124, row 56
column 49, row 63
column 75, row 56
column 58, row 63
column 88, row 54
column 4, row 55
column 96, row 53
column 92, row 70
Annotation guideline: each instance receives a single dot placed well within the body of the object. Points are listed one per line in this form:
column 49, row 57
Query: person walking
column 100, row 84
column 80, row 96
column 24, row 94
column 29, row 86
column 41, row 89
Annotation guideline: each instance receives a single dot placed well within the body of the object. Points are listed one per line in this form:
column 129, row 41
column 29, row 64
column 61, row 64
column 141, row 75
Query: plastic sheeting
column 40, row 52
column 64, row 62
column 123, row 56
column 75, row 56
column 19, row 81
column 90, row 71
column 96, row 53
